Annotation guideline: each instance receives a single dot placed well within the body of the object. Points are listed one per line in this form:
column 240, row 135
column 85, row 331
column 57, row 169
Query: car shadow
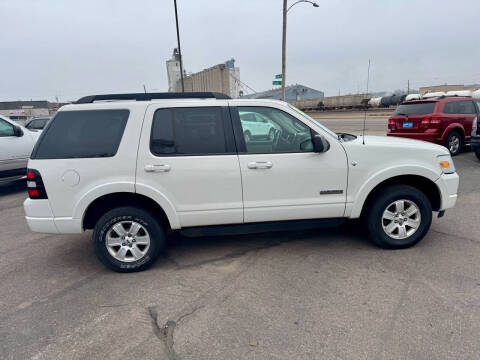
column 189, row 252
column 13, row 187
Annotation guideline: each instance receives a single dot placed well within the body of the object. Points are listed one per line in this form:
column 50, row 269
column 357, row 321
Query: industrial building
column 223, row 78
column 292, row 93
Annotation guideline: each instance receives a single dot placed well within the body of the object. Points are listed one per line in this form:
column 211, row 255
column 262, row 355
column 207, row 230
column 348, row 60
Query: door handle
column 260, row 165
column 157, row 168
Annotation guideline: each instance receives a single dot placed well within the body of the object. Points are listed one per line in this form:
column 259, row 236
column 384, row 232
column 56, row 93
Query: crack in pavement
column 165, row 333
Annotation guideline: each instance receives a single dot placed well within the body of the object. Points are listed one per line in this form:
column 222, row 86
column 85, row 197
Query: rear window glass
column 82, row 134
column 415, row 109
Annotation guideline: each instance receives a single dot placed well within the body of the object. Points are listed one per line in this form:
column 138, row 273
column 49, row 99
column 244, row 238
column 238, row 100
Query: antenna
column 365, row 117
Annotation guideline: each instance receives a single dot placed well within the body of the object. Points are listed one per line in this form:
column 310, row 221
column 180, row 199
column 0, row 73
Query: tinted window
column 449, row 108
column 6, row 129
column 37, row 124
column 188, row 131
column 465, row 107
column 277, row 132
column 415, row 109
column 82, row 134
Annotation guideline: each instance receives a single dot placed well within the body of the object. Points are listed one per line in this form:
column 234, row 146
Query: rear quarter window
column 82, row 134
column 415, row 109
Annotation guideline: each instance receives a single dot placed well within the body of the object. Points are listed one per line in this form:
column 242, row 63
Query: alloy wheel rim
column 454, row 144
column 401, row 219
column 127, row 241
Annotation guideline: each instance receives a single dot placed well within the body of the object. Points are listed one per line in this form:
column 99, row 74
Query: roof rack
column 150, row 96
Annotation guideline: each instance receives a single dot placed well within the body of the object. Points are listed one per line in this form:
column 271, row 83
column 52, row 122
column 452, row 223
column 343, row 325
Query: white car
column 256, row 127
column 16, row 144
column 134, row 166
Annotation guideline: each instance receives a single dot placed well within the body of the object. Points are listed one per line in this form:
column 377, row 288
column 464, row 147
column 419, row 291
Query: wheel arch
column 107, row 202
column 423, row 184
column 453, row 127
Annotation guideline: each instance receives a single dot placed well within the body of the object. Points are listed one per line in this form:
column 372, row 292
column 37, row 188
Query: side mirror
column 320, row 144
column 17, row 131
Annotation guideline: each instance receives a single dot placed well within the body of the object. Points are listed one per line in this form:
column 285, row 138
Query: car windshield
column 312, row 119
column 421, row 108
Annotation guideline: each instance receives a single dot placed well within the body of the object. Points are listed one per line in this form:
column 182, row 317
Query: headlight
column 446, row 164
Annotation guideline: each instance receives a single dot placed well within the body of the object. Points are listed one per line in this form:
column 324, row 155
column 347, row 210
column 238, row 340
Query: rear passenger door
column 187, row 155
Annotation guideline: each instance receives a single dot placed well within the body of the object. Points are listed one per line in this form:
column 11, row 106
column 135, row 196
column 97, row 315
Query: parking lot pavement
column 317, row 294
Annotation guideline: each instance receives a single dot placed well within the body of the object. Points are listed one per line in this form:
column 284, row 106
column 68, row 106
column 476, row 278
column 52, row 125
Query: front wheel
column 399, row 217
column 128, row 239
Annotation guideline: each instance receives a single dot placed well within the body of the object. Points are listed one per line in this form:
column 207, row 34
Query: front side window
column 82, row 134
column 188, row 131
column 6, row 129
column 277, row 132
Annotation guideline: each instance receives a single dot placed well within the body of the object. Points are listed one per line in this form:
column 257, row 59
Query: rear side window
column 188, row 131
column 460, row 107
column 415, row 109
column 82, row 134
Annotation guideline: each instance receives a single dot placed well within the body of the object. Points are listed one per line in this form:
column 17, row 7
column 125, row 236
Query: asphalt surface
column 317, row 294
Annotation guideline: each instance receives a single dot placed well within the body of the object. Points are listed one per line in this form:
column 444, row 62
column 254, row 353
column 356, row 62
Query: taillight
column 433, row 120
column 391, row 121
column 35, row 187
column 475, row 126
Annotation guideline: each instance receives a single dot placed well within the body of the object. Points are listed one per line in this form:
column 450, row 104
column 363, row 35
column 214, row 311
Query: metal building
column 292, row 93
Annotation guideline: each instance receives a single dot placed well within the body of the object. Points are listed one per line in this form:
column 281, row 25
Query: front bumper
column 448, row 185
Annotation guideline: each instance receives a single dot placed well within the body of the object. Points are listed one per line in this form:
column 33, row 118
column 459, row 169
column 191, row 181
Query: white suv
column 134, row 166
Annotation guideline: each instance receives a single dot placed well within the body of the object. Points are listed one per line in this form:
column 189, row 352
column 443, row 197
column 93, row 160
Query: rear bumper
column 40, row 219
column 431, row 137
column 448, row 185
column 475, row 142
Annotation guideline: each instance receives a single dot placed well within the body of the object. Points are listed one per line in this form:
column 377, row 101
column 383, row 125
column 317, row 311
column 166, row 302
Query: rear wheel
column 454, row 143
column 399, row 217
column 478, row 154
column 128, row 239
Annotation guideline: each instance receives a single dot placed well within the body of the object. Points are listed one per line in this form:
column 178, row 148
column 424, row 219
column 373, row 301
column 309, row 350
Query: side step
column 254, row 228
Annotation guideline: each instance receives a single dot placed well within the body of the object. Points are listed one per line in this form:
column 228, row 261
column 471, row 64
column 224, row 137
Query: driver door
column 282, row 178
column 14, row 150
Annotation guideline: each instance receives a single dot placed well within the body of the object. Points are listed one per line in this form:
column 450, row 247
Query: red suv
column 446, row 121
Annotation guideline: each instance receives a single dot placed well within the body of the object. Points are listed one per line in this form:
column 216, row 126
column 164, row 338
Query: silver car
column 16, row 144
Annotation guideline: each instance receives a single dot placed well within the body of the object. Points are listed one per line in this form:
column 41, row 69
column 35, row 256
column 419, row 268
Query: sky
column 71, row 48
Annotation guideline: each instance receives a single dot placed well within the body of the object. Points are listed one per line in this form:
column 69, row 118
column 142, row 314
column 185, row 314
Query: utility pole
column 408, row 87
column 284, row 45
column 179, row 49
column 144, row 88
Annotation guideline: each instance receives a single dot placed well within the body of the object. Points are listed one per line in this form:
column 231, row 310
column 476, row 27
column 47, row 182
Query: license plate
column 407, row 125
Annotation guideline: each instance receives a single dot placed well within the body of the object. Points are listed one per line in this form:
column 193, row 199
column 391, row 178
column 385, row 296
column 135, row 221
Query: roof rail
column 150, row 96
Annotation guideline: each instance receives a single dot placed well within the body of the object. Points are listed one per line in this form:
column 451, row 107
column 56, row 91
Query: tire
column 454, row 143
column 144, row 240
column 477, row 153
column 378, row 222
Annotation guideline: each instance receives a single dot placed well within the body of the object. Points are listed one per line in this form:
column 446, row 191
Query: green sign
column 278, row 76
column 277, row 82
